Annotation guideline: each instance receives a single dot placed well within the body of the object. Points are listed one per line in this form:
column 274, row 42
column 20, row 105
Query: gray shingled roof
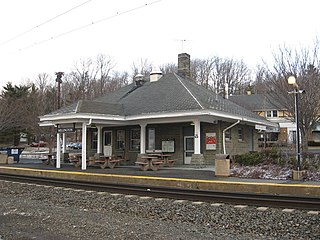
column 256, row 102
column 169, row 94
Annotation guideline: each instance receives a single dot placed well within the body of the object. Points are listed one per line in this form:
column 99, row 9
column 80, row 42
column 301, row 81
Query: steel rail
column 177, row 193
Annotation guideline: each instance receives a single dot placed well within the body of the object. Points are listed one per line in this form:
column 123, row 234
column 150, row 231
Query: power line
column 43, row 23
column 90, row 24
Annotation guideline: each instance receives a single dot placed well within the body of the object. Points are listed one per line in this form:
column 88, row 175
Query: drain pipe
column 224, row 135
column 90, row 122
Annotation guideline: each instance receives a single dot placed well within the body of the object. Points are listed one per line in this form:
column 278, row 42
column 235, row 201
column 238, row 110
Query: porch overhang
column 209, row 116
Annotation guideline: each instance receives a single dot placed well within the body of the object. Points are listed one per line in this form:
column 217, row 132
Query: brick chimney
column 184, row 65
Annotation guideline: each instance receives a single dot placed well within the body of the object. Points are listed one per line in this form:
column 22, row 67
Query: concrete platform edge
column 297, row 189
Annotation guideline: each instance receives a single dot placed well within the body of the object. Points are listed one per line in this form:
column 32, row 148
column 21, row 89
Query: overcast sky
column 133, row 29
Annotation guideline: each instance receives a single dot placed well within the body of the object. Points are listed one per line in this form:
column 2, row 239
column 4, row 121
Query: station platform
column 188, row 177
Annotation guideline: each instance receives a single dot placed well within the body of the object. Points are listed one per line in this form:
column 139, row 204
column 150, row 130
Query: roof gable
column 213, row 101
column 257, row 102
column 170, row 94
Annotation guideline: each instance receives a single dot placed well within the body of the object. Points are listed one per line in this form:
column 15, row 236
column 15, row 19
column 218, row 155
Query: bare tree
column 304, row 65
column 169, row 68
column 7, row 115
column 104, row 65
column 142, row 66
column 202, row 70
column 81, row 78
column 216, row 73
column 235, row 74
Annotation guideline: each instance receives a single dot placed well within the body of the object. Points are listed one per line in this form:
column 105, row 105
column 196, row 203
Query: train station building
column 168, row 113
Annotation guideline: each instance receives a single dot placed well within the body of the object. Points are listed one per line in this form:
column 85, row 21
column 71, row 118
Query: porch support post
column 143, row 138
column 84, row 147
column 63, row 142
column 197, row 136
column 58, row 157
column 99, row 139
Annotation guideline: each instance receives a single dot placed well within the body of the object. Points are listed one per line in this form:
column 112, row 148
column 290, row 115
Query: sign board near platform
column 65, row 129
column 211, row 141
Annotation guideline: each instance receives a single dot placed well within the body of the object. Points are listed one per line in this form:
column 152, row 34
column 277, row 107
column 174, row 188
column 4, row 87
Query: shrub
column 313, row 143
column 265, row 156
column 311, row 161
column 249, row 159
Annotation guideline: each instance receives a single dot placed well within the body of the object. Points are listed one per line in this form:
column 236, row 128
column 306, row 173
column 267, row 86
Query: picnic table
column 167, row 161
column 76, row 159
column 150, row 162
column 102, row 161
column 49, row 159
column 165, row 157
column 107, row 161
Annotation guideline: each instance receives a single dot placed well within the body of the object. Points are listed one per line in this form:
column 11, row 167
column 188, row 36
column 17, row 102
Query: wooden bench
column 76, row 162
column 153, row 165
column 49, row 160
column 156, row 165
column 170, row 162
column 143, row 165
column 106, row 162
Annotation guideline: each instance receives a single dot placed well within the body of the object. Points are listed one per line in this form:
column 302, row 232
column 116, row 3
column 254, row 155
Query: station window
column 151, row 139
column 228, row 135
column 135, row 139
column 120, row 140
column 240, row 134
column 273, row 113
column 94, row 139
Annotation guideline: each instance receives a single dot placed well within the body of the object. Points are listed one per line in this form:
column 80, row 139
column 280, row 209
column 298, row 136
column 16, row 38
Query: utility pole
column 59, row 81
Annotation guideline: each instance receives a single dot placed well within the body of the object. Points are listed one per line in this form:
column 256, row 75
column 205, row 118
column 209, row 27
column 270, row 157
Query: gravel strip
column 38, row 212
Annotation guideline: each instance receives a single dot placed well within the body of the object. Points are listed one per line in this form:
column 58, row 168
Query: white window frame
column 135, row 142
column 240, row 134
column 121, row 139
column 151, row 138
column 227, row 135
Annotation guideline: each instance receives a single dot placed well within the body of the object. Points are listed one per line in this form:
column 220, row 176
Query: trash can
column 3, row 155
column 222, row 165
column 66, row 157
column 15, row 152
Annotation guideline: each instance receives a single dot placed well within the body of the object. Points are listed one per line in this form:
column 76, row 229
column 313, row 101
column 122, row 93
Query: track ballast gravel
column 39, row 212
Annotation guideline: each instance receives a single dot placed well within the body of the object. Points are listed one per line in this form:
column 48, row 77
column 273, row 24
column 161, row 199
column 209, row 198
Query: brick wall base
column 198, row 160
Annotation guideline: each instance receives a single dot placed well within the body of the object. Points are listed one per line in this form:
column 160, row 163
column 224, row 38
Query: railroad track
column 177, row 193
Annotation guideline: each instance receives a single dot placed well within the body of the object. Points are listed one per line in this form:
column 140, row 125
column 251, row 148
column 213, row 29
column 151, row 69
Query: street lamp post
column 296, row 91
column 59, row 81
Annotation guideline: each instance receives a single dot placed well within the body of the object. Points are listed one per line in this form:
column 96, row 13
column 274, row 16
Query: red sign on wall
column 211, row 141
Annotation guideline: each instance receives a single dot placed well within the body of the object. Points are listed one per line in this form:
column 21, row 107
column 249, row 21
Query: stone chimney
column 155, row 74
column 184, row 65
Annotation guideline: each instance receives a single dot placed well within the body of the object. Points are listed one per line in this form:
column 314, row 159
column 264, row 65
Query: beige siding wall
column 234, row 145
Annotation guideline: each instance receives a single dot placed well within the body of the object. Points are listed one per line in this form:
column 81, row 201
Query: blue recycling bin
column 15, row 152
column 3, row 150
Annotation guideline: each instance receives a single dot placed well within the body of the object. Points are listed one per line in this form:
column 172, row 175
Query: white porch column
column 58, row 156
column 84, row 147
column 143, row 138
column 197, row 136
column 99, row 140
column 63, row 142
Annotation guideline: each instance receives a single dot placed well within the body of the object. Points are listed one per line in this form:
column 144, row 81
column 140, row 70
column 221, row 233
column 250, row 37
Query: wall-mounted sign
column 260, row 127
column 211, row 141
column 65, row 129
column 168, row 146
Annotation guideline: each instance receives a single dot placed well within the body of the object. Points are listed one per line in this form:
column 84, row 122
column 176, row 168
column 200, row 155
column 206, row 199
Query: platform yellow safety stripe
column 167, row 179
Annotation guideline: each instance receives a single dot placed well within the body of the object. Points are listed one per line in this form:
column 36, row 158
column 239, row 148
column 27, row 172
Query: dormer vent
column 155, row 74
column 139, row 79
